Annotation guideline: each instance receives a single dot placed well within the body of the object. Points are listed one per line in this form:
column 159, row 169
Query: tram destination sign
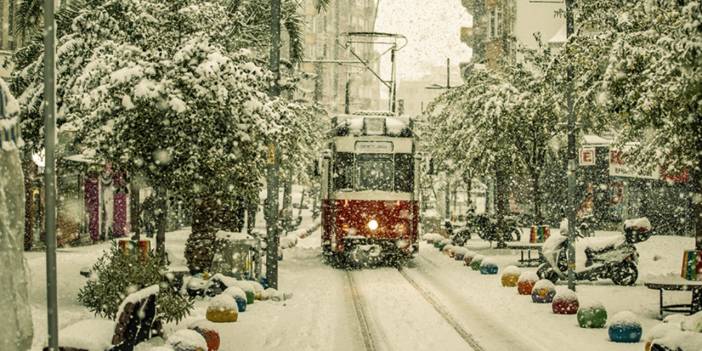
column 378, row 147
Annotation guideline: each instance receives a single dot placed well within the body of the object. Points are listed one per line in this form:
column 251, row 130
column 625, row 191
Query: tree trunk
column 134, row 208
column 29, row 172
column 501, row 203
column 286, row 219
column 200, row 246
column 697, row 207
column 536, row 196
column 161, row 211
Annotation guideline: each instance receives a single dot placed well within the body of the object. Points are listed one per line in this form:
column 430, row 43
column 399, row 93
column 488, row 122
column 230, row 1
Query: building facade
column 8, row 38
column 501, row 27
column 323, row 39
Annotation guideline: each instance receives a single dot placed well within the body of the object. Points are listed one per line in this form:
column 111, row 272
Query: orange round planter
column 525, row 287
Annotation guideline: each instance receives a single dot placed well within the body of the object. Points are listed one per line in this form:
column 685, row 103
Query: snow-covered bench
column 136, row 321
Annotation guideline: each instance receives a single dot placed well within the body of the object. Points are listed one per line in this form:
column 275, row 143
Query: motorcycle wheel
column 625, row 273
column 546, row 272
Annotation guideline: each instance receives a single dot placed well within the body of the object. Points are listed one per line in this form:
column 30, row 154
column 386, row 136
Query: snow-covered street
column 440, row 304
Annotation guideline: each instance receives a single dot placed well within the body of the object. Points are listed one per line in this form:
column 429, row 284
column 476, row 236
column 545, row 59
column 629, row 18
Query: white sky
column 432, row 28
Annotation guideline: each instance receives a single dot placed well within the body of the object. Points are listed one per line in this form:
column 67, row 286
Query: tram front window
column 375, row 172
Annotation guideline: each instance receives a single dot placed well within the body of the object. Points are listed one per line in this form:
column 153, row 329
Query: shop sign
column 587, row 156
column 619, row 167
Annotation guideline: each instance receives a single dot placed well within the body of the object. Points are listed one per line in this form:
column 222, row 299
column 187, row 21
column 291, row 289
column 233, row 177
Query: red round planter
column 562, row 306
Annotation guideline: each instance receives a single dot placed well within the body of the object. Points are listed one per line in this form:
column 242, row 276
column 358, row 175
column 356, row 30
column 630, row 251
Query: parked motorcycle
column 486, row 228
column 613, row 257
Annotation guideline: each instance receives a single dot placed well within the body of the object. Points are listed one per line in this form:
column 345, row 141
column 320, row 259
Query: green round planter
column 592, row 317
column 475, row 264
column 250, row 297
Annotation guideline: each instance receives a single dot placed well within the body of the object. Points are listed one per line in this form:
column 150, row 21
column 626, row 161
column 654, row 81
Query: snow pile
column 138, row 296
column 202, row 324
column 235, row 291
column 624, row 318
column 565, row 295
column 89, row 334
column 591, row 304
column 471, row 254
column 258, row 288
column 528, row 276
column 600, row 243
column 638, row 223
column 459, row 250
column 512, row 270
column 288, row 241
column 276, row 295
column 187, row 340
column 478, row 258
column 543, row 284
column 488, row 261
column 245, row 285
column 222, row 302
column 227, row 281
column 678, row 332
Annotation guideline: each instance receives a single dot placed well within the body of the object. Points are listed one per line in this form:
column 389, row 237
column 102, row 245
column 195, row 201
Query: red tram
column 370, row 190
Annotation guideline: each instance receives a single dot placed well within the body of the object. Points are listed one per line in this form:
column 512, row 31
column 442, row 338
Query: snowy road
column 399, row 317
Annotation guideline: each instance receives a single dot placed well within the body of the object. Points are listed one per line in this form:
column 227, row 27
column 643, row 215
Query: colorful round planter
column 593, row 316
column 476, row 262
column 525, row 283
column 625, row 327
column 565, row 302
column 543, row 292
column 510, row 276
column 488, row 268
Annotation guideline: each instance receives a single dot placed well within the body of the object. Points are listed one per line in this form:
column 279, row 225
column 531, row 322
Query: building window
column 495, row 22
column 11, row 26
column 2, row 24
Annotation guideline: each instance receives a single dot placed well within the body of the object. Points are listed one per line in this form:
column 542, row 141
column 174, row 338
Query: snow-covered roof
column 560, row 37
column 374, row 125
column 595, row 140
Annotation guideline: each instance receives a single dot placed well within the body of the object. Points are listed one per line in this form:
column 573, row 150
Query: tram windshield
column 385, row 172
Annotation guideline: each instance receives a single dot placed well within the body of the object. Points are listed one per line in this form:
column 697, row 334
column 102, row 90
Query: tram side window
column 404, row 173
column 343, row 171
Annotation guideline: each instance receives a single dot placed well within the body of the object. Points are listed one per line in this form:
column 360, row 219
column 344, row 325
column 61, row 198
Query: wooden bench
column 670, row 283
column 136, row 322
column 528, row 261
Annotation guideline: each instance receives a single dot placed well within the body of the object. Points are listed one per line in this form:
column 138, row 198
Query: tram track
column 442, row 311
column 359, row 308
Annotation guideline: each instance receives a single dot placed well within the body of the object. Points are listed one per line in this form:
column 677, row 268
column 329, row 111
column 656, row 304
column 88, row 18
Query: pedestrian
column 16, row 329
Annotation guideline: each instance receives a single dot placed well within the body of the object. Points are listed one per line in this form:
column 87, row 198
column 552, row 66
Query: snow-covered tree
column 652, row 86
column 176, row 92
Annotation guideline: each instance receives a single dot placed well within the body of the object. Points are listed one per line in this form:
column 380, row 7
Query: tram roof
column 380, row 124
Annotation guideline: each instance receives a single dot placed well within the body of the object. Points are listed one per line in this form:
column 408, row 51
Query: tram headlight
column 373, row 225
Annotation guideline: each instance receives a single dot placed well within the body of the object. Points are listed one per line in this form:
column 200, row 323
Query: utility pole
column 571, row 153
column 50, row 170
column 272, row 159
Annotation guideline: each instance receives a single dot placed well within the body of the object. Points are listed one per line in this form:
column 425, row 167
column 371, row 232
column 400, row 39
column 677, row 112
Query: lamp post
column 272, row 166
column 572, row 165
column 50, row 170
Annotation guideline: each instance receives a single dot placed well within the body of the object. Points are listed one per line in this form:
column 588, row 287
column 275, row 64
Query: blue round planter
column 240, row 303
column 625, row 333
column 488, row 269
column 542, row 295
